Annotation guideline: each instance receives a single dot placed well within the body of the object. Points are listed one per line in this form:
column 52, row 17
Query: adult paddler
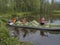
column 15, row 19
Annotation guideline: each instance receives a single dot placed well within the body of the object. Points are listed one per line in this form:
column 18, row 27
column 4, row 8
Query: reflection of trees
column 51, row 32
column 25, row 32
column 33, row 31
column 16, row 32
column 42, row 33
column 54, row 32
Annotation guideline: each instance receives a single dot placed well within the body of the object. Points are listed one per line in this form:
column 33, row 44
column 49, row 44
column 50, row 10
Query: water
column 41, row 37
column 55, row 22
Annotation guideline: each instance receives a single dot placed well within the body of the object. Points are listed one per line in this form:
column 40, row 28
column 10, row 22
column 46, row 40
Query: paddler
column 42, row 21
column 24, row 20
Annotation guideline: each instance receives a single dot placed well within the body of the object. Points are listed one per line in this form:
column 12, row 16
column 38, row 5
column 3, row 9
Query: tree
column 27, row 5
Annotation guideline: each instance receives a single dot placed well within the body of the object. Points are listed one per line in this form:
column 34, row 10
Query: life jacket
column 14, row 20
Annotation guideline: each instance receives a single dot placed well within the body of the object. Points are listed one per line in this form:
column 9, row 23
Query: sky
column 56, row 1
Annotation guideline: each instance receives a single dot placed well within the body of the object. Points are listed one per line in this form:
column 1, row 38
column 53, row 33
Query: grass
column 56, row 14
column 58, row 11
column 5, row 38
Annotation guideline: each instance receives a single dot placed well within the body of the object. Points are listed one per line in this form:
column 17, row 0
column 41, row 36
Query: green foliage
column 19, row 6
column 10, row 41
column 27, row 5
column 5, row 38
column 13, row 6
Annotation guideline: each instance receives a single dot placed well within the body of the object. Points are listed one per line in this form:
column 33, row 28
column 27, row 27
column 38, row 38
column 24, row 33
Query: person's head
column 17, row 18
column 43, row 18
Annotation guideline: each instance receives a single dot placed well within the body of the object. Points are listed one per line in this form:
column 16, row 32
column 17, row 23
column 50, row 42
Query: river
column 41, row 37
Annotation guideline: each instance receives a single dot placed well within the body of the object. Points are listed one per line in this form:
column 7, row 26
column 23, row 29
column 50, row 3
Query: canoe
column 37, row 28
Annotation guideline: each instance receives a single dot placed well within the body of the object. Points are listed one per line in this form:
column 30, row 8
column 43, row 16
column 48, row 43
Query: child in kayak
column 42, row 21
column 13, row 20
column 24, row 20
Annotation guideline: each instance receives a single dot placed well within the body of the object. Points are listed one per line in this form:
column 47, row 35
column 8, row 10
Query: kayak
column 35, row 25
column 36, row 28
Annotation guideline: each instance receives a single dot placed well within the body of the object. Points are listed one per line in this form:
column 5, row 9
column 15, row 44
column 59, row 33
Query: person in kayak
column 13, row 20
column 24, row 20
column 42, row 21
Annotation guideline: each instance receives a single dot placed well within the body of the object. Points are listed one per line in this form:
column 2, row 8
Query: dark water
column 37, row 37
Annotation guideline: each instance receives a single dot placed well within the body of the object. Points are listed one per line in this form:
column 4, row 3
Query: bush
column 5, row 38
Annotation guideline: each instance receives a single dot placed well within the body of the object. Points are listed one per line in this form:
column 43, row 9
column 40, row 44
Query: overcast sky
column 56, row 1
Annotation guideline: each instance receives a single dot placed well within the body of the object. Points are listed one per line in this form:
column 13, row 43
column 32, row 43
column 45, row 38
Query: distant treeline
column 39, row 6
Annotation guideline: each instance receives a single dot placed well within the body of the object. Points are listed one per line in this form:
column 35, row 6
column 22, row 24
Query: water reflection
column 25, row 32
column 42, row 32
column 54, row 32
column 32, row 31
column 38, row 37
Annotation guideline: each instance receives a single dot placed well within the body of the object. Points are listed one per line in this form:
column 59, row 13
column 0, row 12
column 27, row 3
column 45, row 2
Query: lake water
column 55, row 22
column 41, row 37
